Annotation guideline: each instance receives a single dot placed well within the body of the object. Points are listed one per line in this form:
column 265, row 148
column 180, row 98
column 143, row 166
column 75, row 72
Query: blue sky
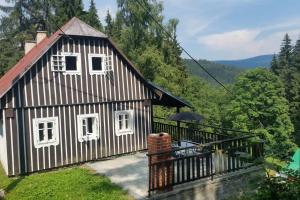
column 227, row 29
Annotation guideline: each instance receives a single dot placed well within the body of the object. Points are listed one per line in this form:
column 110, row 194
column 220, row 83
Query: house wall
column 42, row 87
column 3, row 146
column 23, row 157
column 43, row 93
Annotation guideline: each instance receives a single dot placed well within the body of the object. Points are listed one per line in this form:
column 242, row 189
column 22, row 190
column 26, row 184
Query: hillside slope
column 258, row 61
column 225, row 74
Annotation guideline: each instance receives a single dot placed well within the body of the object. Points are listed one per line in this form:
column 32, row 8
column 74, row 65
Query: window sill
column 100, row 72
column 88, row 138
column 40, row 145
column 128, row 132
column 71, row 73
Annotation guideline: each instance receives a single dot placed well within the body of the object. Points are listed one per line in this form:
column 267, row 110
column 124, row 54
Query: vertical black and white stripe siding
column 43, row 93
column 3, row 140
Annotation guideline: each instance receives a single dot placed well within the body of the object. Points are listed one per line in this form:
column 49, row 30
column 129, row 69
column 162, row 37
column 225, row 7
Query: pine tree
column 274, row 65
column 295, row 90
column 284, row 57
column 92, row 17
column 296, row 55
column 66, row 9
column 109, row 24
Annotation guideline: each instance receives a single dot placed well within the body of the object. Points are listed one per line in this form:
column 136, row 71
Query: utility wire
column 183, row 49
column 189, row 55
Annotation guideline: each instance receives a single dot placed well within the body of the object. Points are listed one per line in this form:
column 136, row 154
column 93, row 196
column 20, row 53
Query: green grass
column 71, row 183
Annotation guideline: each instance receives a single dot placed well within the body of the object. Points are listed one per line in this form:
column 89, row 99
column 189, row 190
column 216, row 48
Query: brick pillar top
column 159, row 142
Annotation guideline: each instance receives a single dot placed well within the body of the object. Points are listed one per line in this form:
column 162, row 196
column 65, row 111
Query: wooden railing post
column 150, row 176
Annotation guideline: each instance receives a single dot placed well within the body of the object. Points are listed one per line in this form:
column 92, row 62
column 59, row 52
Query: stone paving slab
column 128, row 171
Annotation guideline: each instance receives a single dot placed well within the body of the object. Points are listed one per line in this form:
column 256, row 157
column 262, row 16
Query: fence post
column 150, row 175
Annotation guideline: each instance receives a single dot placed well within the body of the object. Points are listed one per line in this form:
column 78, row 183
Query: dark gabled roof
column 76, row 27
column 166, row 98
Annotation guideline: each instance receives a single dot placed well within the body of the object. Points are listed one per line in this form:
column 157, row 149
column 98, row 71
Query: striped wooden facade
column 43, row 93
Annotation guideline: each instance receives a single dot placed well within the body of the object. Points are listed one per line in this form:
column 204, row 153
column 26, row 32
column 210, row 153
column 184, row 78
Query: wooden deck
column 207, row 155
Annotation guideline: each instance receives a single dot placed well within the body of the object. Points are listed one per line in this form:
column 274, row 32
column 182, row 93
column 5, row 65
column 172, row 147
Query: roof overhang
column 165, row 98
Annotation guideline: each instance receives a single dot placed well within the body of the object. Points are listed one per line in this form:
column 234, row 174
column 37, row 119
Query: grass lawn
column 70, row 183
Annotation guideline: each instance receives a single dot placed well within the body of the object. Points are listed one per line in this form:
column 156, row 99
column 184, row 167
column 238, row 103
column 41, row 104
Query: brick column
column 162, row 173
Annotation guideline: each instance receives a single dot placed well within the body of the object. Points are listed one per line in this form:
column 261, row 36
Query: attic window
column 99, row 63
column 96, row 63
column 69, row 63
column 57, row 63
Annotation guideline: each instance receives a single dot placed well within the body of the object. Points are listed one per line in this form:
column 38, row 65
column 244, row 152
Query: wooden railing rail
column 186, row 164
column 216, row 128
column 192, row 134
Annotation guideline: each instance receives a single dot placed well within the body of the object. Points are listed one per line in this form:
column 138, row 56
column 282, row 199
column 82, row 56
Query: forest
column 265, row 102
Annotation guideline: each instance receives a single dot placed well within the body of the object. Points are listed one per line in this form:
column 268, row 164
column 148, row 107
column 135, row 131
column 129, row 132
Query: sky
column 226, row 29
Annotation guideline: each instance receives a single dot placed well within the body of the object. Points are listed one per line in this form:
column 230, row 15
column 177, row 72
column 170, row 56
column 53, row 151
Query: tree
column 144, row 42
column 66, row 9
column 285, row 55
column 295, row 90
column 205, row 99
column 109, row 24
column 274, row 65
column 92, row 17
column 259, row 106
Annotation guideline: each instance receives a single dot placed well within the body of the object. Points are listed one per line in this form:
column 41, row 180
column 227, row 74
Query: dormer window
column 69, row 63
column 99, row 63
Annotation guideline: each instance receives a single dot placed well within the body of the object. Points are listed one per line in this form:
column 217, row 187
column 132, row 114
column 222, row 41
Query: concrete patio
column 129, row 171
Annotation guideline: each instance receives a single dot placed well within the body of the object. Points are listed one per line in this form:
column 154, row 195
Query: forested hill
column 257, row 61
column 224, row 73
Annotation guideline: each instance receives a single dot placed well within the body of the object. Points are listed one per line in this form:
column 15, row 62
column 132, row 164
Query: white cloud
column 193, row 26
column 249, row 42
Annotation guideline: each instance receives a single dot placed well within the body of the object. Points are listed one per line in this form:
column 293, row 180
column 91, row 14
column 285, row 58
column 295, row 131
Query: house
column 74, row 97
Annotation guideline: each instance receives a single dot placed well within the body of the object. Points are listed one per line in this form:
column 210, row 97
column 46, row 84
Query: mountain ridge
column 248, row 63
column 224, row 73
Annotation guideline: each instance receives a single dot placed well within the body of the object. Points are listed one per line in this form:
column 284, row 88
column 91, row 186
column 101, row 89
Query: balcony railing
column 208, row 154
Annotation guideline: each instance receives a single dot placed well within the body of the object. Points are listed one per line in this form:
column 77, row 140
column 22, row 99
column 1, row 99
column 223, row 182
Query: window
column 57, row 63
column 124, row 122
column 45, row 131
column 88, row 127
column 99, row 63
column 66, row 62
column 71, row 64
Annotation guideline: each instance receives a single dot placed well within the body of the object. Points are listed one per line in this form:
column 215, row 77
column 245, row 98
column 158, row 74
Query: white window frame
column 104, row 58
column 130, row 129
column 54, row 141
column 64, row 70
column 95, row 135
column 52, row 63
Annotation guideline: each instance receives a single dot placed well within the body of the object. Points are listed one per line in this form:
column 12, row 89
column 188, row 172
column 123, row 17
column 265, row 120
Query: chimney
column 40, row 35
column 29, row 45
